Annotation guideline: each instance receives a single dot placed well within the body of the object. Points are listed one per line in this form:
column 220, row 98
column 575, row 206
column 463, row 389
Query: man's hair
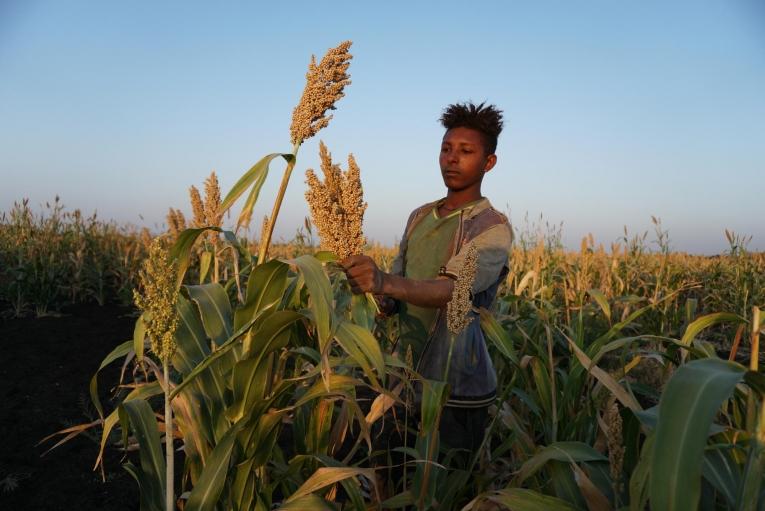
column 486, row 119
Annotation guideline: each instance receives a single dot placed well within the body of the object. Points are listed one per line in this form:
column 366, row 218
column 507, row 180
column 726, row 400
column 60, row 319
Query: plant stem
column 169, row 497
column 265, row 238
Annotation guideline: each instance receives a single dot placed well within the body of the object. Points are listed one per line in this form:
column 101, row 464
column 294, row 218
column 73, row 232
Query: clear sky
column 615, row 110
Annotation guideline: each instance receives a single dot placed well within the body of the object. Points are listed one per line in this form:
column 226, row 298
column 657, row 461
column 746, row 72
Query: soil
column 46, row 366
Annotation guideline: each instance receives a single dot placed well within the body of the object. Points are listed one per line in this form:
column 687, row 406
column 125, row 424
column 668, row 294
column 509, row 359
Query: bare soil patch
column 45, row 368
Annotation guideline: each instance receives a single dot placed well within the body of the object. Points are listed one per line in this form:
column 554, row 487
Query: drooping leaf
column 521, row 499
column 325, row 476
column 568, row 452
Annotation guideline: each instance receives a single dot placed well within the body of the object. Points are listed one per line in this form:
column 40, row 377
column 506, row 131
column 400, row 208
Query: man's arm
column 365, row 277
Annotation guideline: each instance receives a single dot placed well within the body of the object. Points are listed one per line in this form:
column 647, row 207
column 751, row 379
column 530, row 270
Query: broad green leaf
column 638, row 485
column 687, row 407
column 142, row 392
column 569, row 452
column 751, row 478
column 722, row 472
column 204, row 496
column 215, row 356
column 214, row 309
column 350, row 335
column 321, row 295
column 144, row 426
column 265, row 288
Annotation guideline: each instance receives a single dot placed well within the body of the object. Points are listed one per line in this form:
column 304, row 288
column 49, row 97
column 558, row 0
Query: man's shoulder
column 484, row 209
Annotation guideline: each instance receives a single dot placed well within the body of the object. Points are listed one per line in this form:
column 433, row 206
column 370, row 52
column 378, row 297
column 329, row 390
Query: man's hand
column 363, row 274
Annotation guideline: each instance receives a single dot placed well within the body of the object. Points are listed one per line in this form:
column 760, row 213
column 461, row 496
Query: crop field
column 251, row 378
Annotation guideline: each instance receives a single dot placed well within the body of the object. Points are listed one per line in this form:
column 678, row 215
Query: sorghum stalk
column 265, row 237
column 324, row 86
column 157, row 301
column 169, row 458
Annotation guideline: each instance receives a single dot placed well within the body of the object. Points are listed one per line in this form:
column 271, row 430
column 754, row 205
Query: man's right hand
column 363, row 274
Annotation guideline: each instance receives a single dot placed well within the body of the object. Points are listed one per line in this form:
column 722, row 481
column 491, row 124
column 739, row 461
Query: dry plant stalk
column 337, row 205
column 324, row 86
column 458, row 309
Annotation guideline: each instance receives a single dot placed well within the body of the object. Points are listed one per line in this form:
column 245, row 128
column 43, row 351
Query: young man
column 431, row 252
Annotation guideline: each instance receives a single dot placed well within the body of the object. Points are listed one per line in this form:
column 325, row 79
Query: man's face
column 463, row 160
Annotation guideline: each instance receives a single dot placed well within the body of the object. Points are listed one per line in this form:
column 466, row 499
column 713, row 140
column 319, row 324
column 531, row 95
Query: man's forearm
column 423, row 293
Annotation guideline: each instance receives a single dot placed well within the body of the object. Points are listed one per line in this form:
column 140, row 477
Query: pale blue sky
column 615, row 110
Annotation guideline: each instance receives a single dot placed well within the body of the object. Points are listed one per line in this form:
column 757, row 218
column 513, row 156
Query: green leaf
column 215, row 356
column 118, row 352
column 139, row 336
column 498, row 335
column 353, row 339
column 606, row 379
column 255, row 176
column 602, row 302
column 265, row 288
column 144, row 426
column 559, row 451
column 320, row 291
column 687, row 407
column 214, row 309
column 706, row 321
column 204, row 496
column 722, row 472
column 181, row 250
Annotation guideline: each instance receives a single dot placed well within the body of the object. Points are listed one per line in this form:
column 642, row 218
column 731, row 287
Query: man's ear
column 491, row 160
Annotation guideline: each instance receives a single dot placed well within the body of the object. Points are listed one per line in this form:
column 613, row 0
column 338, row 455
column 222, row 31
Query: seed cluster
column 337, row 205
column 176, row 222
column 197, row 207
column 157, row 299
column 615, row 448
column 458, row 309
column 324, row 86
column 212, row 209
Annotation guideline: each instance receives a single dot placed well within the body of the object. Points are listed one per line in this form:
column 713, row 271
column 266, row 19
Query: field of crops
column 628, row 376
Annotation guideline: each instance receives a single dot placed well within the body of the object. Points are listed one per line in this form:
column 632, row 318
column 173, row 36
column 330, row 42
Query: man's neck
column 457, row 199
